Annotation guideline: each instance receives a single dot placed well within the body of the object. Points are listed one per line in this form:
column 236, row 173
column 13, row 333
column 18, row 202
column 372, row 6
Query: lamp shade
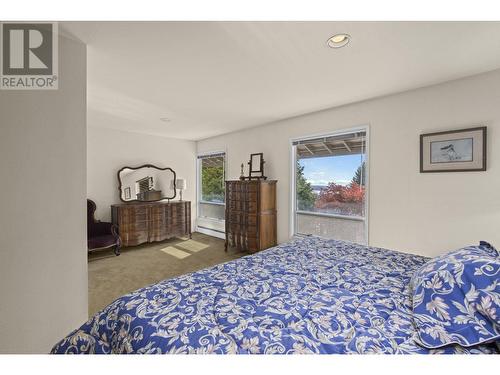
column 180, row 184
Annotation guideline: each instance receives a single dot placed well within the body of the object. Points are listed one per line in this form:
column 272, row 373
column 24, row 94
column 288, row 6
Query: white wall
column 422, row 213
column 43, row 257
column 109, row 150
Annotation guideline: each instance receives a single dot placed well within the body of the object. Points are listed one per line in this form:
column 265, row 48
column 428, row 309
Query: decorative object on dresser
column 149, row 196
column 180, row 184
column 251, row 215
column 146, row 183
column 101, row 235
column 242, row 173
column 461, row 150
column 151, row 221
column 255, row 168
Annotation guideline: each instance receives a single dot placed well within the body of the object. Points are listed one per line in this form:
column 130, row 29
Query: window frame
column 293, row 176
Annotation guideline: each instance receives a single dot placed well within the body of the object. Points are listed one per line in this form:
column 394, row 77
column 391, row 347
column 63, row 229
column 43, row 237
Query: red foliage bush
column 352, row 193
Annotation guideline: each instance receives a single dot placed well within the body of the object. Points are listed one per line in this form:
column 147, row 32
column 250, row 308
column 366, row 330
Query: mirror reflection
column 146, row 183
column 255, row 164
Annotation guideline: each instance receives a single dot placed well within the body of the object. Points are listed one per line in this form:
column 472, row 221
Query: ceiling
column 211, row 78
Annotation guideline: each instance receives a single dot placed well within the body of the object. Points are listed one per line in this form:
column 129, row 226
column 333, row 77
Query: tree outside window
column 212, row 180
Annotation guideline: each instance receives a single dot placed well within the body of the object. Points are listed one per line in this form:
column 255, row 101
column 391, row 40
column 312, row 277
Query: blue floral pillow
column 456, row 298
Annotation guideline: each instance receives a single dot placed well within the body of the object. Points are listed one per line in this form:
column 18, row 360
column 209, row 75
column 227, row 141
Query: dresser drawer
column 243, row 206
column 234, row 217
column 242, row 196
column 235, row 228
column 130, row 216
column 251, row 196
column 233, row 186
column 252, row 186
column 133, row 226
column 238, row 217
column 134, row 238
column 234, row 195
column 234, row 205
column 252, row 206
column 252, row 244
column 242, row 186
column 251, row 219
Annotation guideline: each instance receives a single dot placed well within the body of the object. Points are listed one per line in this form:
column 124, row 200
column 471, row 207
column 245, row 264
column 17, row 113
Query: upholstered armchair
column 101, row 235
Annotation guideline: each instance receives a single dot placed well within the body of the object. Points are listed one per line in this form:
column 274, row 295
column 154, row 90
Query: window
column 330, row 186
column 211, row 192
column 144, row 184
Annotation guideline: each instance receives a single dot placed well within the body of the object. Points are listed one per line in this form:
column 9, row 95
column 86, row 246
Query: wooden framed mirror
column 146, row 183
column 256, row 166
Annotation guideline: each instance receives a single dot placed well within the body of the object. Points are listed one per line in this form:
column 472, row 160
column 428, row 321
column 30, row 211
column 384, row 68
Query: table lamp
column 180, row 184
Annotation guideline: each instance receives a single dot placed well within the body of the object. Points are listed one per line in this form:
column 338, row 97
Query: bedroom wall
column 109, row 150
column 426, row 214
column 43, row 258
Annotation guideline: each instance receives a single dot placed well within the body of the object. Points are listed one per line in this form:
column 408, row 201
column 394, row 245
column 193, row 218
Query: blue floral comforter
column 310, row 295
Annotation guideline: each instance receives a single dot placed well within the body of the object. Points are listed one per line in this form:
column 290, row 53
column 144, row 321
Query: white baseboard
column 210, row 232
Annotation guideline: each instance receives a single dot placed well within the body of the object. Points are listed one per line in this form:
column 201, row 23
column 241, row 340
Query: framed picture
column 127, row 193
column 461, row 150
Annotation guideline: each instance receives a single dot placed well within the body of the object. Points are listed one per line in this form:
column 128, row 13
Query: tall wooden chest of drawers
column 151, row 221
column 251, row 214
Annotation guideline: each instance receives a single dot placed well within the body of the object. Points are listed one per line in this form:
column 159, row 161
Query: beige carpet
column 112, row 276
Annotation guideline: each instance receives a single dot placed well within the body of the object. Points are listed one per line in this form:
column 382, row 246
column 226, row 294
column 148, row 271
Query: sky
column 339, row 169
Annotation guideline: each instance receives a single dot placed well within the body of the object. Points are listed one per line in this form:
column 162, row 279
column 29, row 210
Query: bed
column 310, row 295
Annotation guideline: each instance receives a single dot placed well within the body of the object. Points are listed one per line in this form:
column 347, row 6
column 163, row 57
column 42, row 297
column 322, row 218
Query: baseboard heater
column 211, row 229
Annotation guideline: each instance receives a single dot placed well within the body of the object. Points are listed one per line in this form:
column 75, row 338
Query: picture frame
column 128, row 195
column 462, row 150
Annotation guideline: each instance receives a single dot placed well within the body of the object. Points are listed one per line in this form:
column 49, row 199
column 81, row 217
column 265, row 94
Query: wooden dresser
column 251, row 214
column 142, row 222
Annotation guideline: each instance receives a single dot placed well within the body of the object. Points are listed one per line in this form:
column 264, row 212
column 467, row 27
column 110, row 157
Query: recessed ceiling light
column 338, row 40
column 165, row 119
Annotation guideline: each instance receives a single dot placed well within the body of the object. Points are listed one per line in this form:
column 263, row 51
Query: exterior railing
column 341, row 227
column 212, row 210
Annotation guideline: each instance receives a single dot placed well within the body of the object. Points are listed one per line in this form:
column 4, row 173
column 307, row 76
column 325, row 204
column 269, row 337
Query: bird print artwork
column 450, row 153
